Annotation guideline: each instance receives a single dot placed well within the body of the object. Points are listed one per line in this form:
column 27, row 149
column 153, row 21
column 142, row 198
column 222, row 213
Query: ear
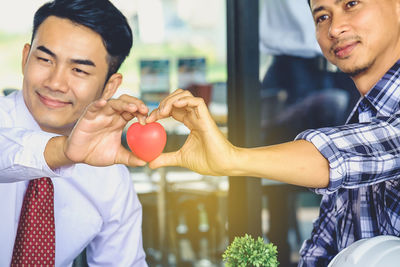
column 25, row 55
column 111, row 86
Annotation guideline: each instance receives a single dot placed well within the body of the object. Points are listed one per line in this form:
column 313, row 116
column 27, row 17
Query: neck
column 366, row 80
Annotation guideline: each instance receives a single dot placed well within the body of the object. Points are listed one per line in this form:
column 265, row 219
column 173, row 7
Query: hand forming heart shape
column 146, row 141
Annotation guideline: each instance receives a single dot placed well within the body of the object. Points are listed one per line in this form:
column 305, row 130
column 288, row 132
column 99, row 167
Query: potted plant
column 247, row 252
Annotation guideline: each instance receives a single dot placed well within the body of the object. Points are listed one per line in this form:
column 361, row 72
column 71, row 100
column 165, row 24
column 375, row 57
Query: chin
column 354, row 71
column 54, row 126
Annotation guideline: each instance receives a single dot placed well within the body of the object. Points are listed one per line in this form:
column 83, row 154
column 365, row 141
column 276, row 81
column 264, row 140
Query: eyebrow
column 322, row 7
column 317, row 9
column 83, row 62
column 75, row 61
column 46, row 50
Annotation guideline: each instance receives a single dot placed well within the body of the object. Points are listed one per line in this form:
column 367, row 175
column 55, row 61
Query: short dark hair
column 101, row 16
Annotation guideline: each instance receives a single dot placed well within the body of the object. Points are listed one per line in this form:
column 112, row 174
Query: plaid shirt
column 362, row 199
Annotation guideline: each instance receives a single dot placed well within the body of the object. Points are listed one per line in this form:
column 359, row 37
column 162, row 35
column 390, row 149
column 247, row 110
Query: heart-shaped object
column 146, row 141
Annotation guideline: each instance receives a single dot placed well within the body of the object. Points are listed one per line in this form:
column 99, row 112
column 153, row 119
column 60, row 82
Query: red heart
column 146, row 141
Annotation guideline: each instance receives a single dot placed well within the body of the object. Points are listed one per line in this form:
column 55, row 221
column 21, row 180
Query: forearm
column 297, row 162
column 22, row 155
column 54, row 153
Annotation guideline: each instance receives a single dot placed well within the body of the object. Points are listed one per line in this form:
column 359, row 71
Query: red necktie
column 35, row 241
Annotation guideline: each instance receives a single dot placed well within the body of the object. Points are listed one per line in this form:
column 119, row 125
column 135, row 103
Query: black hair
column 101, row 16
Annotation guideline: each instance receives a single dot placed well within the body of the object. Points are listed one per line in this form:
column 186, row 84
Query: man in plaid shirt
column 356, row 166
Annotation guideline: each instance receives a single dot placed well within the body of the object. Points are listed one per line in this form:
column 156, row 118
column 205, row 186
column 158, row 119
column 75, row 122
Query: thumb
column 127, row 157
column 165, row 159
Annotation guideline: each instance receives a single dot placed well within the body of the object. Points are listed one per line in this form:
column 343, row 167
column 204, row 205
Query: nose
column 57, row 80
column 338, row 27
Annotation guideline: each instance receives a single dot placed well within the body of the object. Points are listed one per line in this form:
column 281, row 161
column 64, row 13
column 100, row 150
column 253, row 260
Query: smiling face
column 64, row 71
column 358, row 36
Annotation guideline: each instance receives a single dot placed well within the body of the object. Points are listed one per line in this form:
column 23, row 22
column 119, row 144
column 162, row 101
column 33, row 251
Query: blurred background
column 238, row 55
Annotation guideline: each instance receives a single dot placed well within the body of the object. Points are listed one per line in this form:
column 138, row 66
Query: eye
column 45, row 60
column 321, row 18
column 350, row 4
column 79, row 71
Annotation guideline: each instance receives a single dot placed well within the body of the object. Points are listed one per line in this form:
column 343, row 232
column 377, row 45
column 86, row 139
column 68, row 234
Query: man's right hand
column 96, row 137
column 206, row 150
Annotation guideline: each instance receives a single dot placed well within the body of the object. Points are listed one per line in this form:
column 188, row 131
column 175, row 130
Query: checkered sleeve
column 359, row 154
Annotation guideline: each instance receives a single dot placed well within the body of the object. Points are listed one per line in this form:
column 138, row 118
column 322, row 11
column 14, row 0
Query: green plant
column 247, row 252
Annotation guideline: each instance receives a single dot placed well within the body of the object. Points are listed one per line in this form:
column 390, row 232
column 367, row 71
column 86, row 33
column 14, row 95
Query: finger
column 135, row 161
column 155, row 114
column 123, row 107
column 190, row 109
column 165, row 159
column 177, row 91
column 99, row 103
column 189, row 101
column 126, row 157
column 152, row 117
column 119, row 106
column 94, row 108
column 141, row 118
column 166, row 106
column 142, row 108
column 127, row 116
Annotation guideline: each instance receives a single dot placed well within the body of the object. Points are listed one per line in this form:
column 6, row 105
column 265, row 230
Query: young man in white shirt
column 64, row 126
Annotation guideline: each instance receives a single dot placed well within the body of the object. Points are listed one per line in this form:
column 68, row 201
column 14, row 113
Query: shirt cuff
column 330, row 151
column 31, row 157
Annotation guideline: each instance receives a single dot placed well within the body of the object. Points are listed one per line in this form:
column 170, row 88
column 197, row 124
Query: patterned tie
column 35, row 241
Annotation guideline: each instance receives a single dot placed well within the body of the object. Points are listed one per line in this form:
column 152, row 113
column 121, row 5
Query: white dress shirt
column 287, row 28
column 95, row 207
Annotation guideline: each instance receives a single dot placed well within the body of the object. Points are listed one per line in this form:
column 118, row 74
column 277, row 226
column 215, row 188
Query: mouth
column 344, row 51
column 51, row 102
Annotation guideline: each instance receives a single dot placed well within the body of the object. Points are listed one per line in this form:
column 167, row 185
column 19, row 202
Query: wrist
column 231, row 166
column 238, row 158
column 54, row 153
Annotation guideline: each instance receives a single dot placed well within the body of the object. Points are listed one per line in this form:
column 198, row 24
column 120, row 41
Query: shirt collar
column 384, row 96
